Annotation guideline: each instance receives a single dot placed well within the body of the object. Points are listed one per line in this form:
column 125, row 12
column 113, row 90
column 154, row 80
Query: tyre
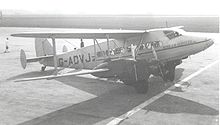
column 43, row 68
column 171, row 75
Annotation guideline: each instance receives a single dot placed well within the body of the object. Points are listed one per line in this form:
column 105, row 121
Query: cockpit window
column 171, row 34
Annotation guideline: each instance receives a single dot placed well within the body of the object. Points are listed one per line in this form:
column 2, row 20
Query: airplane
column 130, row 56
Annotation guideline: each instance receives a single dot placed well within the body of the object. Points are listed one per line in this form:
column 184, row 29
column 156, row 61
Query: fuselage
column 169, row 45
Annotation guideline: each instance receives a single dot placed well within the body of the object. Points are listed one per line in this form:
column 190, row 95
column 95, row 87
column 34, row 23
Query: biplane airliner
column 130, row 56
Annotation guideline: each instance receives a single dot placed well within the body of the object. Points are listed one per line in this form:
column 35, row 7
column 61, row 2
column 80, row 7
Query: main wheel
column 171, row 74
column 141, row 86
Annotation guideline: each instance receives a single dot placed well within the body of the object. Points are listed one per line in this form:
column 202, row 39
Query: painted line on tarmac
column 118, row 120
column 198, row 72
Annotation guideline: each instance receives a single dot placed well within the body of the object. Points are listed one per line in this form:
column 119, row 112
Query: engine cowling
column 124, row 69
column 116, row 68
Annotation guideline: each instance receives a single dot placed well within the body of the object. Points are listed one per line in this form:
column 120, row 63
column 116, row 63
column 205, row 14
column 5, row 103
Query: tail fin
column 43, row 47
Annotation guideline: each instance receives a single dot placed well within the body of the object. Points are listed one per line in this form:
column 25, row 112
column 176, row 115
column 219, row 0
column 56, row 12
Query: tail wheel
column 43, row 68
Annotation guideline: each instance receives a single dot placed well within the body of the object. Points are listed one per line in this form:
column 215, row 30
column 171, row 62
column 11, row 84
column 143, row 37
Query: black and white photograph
column 115, row 62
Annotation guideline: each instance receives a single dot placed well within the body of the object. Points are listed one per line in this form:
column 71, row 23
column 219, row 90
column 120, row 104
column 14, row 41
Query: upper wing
column 82, row 72
column 99, row 35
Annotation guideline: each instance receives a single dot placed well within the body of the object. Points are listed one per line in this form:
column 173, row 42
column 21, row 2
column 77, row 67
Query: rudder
column 43, row 47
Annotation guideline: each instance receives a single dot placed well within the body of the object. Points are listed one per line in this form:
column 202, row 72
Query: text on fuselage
column 76, row 59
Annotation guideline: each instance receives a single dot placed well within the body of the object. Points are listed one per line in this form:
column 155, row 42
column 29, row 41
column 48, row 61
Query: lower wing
column 81, row 72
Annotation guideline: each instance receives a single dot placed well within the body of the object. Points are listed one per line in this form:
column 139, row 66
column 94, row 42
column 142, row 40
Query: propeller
column 156, row 57
column 133, row 51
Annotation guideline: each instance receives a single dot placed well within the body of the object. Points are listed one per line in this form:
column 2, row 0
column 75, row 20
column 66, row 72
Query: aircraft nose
column 210, row 42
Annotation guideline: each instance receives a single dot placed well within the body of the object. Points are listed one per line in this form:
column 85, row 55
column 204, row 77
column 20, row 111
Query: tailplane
column 24, row 60
column 43, row 50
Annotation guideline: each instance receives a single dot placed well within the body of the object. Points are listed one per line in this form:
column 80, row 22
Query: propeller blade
column 133, row 51
column 156, row 57
column 154, row 53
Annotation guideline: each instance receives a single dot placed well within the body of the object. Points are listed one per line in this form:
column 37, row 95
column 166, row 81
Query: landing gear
column 169, row 75
column 43, row 68
column 169, row 70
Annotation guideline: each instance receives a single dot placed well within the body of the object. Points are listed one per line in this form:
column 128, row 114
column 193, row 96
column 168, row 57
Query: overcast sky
column 154, row 7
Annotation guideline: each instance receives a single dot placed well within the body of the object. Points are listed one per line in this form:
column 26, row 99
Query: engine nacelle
column 116, row 68
column 124, row 69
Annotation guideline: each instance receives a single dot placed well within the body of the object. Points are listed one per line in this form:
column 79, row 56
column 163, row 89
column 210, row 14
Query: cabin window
column 155, row 44
column 129, row 48
column 148, row 45
column 171, row 34
column 111, row 52
column 142, row 46
column 117, row 50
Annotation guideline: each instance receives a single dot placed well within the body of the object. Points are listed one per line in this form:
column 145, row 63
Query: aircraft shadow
column 37, row 74
column 93, row 85
column 173, row 104
column 116, row 101
column 31, row 74
column 111, row 103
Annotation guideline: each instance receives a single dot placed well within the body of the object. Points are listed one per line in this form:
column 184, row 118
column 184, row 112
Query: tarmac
column 86, row 100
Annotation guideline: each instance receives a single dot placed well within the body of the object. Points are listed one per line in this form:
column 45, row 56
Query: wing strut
column 108, row 52
column 94, row 48
column 54, row 55
column 98, row 44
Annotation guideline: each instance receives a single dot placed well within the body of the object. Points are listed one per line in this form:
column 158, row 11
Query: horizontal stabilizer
column 81, row 72
column 35, row 59
column 24, row 60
